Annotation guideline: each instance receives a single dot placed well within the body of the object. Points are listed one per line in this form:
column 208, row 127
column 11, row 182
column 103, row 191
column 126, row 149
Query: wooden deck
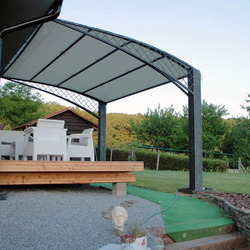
column 67, row 172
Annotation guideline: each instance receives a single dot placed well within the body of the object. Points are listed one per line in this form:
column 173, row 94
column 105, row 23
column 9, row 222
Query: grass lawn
column 169, row 181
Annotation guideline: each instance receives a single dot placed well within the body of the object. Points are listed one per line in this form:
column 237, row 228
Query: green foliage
column 52, row 106
column 180, row 140
column 163, row 128
column 119, row 128
column 157, row 127
column 213, row 126
column 135, row 229
column 237, row 140
column 118, row 154
column 167, row 161
column 214, row 165
column 19, row 105
column 247, row 107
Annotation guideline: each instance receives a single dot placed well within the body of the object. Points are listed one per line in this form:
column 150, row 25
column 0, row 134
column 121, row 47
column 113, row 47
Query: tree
column 180, row 138
column 237, row 140
column 52, row 106
column 247, row 107
column 166, row 129
column 19, row 105
column 157, row 127
column 213, row 126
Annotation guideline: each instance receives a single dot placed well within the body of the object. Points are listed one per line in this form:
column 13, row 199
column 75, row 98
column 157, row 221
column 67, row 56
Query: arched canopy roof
column 95, row 63
column 71, row 60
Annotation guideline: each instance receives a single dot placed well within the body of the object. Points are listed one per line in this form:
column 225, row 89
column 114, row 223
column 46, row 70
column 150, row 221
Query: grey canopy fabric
column 92, row 62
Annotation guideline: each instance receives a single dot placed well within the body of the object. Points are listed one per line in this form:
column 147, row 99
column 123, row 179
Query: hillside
column 118, row 124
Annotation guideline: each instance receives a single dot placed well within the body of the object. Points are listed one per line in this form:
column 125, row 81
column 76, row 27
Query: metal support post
column 102, row 132
column 1, row 47
column 195, row 132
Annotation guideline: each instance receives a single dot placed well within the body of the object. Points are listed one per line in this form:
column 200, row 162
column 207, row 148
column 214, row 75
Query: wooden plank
column 64, row 178
column 69, row 166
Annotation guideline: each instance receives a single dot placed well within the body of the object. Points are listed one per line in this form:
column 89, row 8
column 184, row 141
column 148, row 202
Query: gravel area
column 237, row 199
column 66, row 217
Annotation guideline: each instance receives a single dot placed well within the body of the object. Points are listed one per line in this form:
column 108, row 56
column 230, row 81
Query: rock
column 107, row 214
column 159, row 233
column 3, row 196
column 125, row 205
column 118, row 232
column 131, row 202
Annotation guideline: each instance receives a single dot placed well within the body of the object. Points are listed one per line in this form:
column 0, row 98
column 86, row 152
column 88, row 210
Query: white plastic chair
column 47, row 139
column 11, row 144
column 81, row 146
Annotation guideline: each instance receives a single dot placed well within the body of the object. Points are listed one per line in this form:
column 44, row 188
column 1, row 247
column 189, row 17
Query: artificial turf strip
column 190, row 218
column 187, row 218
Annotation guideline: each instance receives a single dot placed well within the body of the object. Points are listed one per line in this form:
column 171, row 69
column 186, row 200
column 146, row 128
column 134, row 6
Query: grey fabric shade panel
column 98, row 64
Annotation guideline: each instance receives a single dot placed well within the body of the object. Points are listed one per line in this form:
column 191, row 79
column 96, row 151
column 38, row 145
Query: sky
column 211, row 35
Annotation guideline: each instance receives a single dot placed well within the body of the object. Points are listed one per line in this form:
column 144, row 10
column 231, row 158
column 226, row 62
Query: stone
column 3, row 196
column 131, row 202
column 125, row 205
column 118, row 232
column 107, row 214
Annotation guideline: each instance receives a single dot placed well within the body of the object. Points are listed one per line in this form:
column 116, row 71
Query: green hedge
column 214, row 165
column 118, row 154
column 167, row 161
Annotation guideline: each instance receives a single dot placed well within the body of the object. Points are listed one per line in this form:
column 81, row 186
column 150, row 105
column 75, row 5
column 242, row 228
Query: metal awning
column 95, row 63
column 74, row 61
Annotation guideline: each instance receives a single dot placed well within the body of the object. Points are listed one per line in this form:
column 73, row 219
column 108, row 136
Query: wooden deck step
column 70, row 166
column 67, row 172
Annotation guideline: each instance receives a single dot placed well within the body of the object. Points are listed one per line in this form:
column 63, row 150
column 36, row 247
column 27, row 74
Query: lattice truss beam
column 79, row 100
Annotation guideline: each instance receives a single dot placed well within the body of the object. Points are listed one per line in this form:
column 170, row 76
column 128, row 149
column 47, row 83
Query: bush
column 167, row 161
column 214, row 165
column 118, row 154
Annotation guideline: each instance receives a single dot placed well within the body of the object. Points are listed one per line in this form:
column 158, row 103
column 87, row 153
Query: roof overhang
column 95, row 63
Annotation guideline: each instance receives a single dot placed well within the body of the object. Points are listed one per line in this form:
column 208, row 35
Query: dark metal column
column 195, row 132
column 102, row 132
column 1, row 46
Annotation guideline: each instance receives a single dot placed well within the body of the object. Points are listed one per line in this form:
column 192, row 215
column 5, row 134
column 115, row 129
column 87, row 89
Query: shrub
column 118, row 154
column 214, row 165
column 167, row 161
